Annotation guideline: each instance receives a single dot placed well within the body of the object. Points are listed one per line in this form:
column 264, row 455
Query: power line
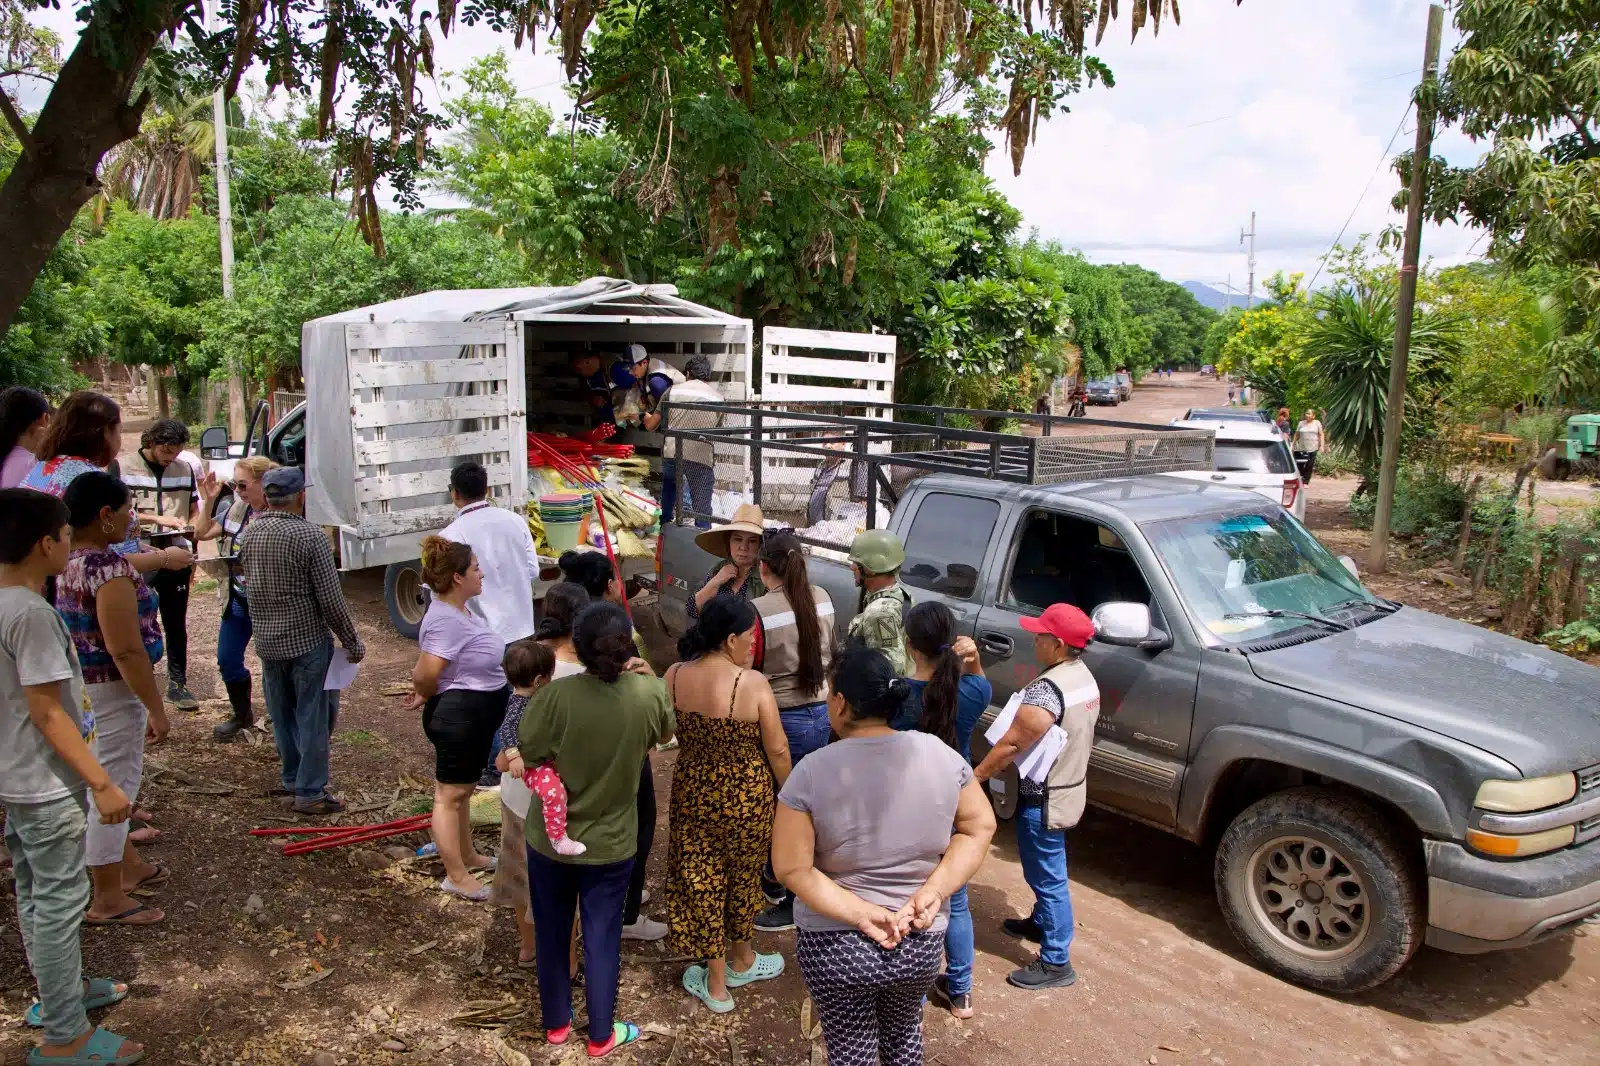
column 1364, row 189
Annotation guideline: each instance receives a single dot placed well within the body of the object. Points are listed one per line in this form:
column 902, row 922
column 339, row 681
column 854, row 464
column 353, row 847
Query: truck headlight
column 1505, row 846
column 1530, row 794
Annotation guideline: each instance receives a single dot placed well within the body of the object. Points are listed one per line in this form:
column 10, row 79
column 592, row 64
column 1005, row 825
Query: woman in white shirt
column 1307, row 443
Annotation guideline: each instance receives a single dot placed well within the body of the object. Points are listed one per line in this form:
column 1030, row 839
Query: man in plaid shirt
column 296, row 605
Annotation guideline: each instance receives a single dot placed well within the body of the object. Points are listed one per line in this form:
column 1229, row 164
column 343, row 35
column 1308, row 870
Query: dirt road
column 1162, row 980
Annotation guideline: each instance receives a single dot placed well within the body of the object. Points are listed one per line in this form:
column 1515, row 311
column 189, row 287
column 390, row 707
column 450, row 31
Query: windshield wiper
column 1355, row 601
column 1330, row 623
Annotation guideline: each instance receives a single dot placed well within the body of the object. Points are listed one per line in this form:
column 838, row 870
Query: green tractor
column 1578, row 455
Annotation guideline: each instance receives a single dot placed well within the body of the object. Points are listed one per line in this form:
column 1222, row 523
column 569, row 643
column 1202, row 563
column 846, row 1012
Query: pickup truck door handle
column 997, row 644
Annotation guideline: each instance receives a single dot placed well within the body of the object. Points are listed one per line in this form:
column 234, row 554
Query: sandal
column 487, row 868
column 97, row 992
column 696, row 982
column 621, row 1033
column 765, row 968
column 125, row 916
column 448, row 887
column 959, row 1004
column 101, row 1049
column 155, row 880
column 558, row 1036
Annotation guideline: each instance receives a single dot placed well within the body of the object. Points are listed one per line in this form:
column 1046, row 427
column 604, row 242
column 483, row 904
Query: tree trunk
column 1466, row 523
column 161, row 396
column 86, row 115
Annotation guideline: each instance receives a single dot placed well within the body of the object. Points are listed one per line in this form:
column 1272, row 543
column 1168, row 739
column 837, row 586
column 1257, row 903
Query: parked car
column 1104, row 392
column 1368, row 776
column 1124, row 384
column 1252, row 456
column 1223, row 414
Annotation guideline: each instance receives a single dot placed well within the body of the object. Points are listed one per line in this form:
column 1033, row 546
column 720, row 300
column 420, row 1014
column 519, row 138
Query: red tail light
column 1291, row 489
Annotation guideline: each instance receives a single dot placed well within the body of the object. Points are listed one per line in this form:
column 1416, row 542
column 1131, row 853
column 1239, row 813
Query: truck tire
column 406, row 596
column 1316, row 884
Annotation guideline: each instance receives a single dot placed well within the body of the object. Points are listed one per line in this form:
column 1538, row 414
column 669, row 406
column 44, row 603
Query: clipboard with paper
column 1034, row 763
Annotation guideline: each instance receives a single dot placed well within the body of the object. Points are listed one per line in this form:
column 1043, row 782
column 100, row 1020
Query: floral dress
column 721, row 818
column 88, row 569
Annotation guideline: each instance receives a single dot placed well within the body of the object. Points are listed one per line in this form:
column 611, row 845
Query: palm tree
column 1349, row 345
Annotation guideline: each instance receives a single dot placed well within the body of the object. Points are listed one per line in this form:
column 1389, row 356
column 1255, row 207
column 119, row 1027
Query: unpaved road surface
column 1162, row 979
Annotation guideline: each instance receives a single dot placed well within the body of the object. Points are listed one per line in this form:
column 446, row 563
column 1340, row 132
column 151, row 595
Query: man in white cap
column 296, row 606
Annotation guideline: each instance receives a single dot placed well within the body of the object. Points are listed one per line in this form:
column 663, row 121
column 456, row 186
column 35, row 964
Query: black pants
column 1307, row 462
column 172, row 595
column 555, row 890
column 646, row 837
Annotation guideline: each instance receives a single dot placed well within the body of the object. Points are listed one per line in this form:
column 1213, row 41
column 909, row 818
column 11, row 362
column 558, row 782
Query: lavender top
column 473, row 650
column 15, row 467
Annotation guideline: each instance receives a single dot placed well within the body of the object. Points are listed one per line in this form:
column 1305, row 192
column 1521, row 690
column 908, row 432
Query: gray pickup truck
column 1372, row 776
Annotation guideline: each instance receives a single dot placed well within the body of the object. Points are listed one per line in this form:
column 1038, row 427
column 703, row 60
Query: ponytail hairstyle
column 603, row 639
column 782, row 555
column 562, row 605
column 592, row 570
column 931, row 632
column 724, row 615
column 867, row 682
column 20, row 408
column 443, row 561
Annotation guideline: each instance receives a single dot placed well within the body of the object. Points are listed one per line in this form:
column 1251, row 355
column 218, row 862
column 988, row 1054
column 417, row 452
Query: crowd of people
column 827, row 782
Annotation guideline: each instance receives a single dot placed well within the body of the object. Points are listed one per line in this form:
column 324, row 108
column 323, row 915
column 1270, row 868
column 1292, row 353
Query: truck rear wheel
column 1316, row 884
column 406, row 597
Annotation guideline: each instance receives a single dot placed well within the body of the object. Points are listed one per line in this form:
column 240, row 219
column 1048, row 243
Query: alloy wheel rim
column 1309, row 897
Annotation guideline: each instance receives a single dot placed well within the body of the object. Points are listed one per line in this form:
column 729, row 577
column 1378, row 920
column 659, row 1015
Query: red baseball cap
column 1064, row 622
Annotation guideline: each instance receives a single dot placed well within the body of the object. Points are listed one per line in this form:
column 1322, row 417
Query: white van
column 1252, row 455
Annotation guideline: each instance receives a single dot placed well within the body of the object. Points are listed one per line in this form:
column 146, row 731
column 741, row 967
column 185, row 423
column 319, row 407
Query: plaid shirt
column 295, row 598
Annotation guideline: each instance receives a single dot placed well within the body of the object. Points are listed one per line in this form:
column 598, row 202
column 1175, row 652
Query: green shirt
column 881, row 624
column 599, row 735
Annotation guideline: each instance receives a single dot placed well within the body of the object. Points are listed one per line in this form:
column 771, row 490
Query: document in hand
column 1003, row 720
column 1035, row 763
column 341, row 671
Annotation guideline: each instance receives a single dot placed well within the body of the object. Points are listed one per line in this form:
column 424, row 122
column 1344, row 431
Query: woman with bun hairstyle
column 863, row 838
column 731, row 746
column 948, row 695
column 597, row 727
column 793, row 645
column 461, row 687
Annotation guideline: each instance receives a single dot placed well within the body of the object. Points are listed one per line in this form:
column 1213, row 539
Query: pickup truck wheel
column 406, row 597
column 1316, row 884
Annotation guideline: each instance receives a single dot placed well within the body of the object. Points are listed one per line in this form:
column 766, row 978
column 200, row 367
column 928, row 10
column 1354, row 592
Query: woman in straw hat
column 736, row 545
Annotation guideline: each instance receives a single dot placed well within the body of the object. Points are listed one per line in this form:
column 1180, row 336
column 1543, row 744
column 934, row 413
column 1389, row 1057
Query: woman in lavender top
column 461, row 687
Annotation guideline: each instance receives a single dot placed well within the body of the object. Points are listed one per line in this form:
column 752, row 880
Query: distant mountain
column 1212, row 298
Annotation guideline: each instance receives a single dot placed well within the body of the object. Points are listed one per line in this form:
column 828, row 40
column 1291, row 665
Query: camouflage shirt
column 881, row 624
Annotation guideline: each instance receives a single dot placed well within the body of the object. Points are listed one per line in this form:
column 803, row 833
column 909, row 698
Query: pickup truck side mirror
column 214, row 443
column 1127, row 625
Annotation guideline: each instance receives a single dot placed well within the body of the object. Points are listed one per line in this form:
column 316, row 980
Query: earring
column 105, row 527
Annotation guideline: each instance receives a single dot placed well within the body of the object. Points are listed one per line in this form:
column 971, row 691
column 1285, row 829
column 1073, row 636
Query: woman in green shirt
column 596, row 726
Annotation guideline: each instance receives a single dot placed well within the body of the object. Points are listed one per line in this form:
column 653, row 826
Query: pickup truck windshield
column 1231, row 569
column 1254, row 457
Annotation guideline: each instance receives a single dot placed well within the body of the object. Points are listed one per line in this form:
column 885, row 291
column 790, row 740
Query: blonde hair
column 254, row 467
column 443, row 561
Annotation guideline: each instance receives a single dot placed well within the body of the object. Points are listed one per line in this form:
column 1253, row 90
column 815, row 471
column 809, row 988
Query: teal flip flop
column 97, row 992
column 765, row 968
column 696, row 982
column 101, row 1049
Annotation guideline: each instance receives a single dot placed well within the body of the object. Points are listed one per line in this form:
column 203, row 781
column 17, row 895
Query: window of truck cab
column 947, row 541
column 1062, row 558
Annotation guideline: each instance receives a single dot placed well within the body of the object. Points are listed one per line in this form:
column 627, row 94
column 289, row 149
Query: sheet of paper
column 341, row 671
column 1035, row 763
column 1003, row 720
column 515, row 795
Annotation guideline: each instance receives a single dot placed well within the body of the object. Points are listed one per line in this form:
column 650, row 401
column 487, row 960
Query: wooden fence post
column 1466, row 522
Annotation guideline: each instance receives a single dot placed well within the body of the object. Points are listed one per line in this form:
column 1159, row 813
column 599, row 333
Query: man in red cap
column 1058, row 710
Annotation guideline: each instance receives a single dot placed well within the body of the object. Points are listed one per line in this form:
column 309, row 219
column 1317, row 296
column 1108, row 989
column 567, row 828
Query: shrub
column 1425, row 502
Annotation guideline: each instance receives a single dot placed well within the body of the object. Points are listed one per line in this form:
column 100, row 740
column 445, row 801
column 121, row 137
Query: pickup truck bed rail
column 1068, row 449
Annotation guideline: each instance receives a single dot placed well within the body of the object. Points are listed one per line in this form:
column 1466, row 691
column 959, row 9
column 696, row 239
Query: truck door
column 947, row 543
column 1054, row 555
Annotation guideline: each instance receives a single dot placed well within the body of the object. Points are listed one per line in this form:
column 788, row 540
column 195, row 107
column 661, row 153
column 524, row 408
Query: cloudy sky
column 1281, row 107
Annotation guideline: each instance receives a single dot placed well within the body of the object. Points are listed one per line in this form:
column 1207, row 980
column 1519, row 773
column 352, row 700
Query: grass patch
column 205, row 584
column 358, row 738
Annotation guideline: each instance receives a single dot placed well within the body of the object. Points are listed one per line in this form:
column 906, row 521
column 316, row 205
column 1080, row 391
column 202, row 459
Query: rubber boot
column 243, row 718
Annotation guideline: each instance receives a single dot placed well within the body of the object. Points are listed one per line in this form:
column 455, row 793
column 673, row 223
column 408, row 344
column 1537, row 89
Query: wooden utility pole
column 219, row 126
column 1394, row 415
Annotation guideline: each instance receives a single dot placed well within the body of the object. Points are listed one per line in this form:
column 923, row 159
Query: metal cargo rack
column 921, row 440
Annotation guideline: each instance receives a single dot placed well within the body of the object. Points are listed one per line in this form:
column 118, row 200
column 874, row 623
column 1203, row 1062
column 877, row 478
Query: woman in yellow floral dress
column 731, row 752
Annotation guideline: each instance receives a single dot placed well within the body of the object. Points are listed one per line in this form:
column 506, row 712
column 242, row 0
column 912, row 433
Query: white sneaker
column 645, row 929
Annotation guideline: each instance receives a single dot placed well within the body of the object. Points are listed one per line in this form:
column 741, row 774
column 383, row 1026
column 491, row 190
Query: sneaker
column 1039, row 974
column 646, row 930
column 489, row 779
column 776, row 918
column 958, row 1004
column 1023, row 929
column 324, row 806
column 179, row 696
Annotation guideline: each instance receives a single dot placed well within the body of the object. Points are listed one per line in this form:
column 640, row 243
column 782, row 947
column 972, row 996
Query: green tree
column 1168, row 325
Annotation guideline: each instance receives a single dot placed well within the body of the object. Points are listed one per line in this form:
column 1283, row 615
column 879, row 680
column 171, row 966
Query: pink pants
column 543, row 781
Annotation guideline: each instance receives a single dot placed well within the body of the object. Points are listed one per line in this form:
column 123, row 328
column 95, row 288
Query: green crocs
column 765, row 968
column 696, row 982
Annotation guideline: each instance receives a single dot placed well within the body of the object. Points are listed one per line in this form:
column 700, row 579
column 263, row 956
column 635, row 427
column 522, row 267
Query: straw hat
column 747, row 519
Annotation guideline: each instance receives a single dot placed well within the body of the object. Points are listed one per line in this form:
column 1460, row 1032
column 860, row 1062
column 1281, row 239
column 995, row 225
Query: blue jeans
column 699, row 481
column 806, row 728
column 46, row 841
column 959, row 949
column 232, row 637
column 598, row 893
column 302, row 717
column 1044, row 865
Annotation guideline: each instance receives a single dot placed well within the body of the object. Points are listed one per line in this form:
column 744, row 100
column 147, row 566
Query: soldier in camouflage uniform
column 876, row 556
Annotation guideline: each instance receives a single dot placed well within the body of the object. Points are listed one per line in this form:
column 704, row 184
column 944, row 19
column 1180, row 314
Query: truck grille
column 1587, row 830
column 1588, row 779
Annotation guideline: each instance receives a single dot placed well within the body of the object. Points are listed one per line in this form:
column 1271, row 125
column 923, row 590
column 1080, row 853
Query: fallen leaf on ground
column 305, row 982
column 508, row 1054
column 420, row 948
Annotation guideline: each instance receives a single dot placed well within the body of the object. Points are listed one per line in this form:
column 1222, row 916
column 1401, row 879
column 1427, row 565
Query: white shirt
column 1308, row 436
column 504, row 547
